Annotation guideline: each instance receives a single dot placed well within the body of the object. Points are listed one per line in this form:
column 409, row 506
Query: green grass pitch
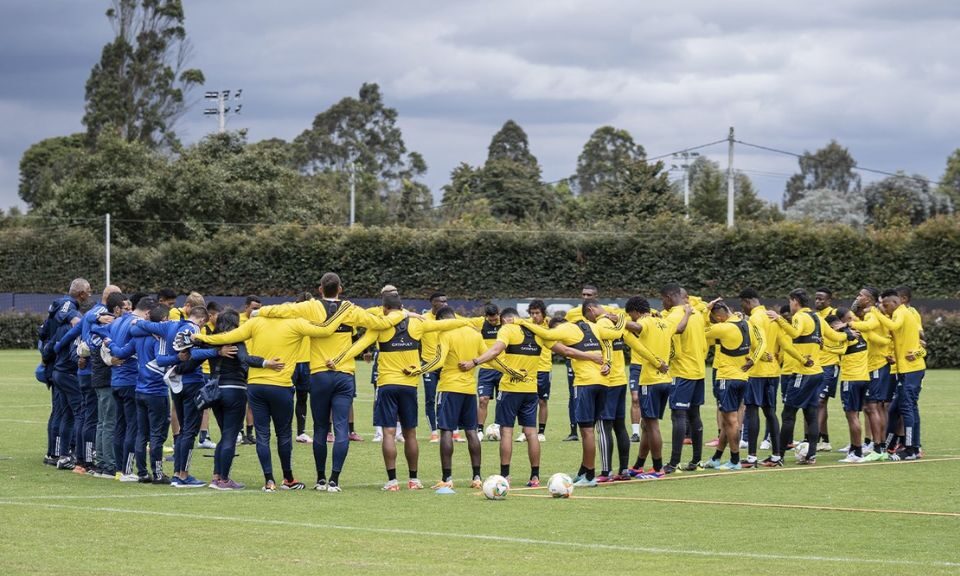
column 854, row 519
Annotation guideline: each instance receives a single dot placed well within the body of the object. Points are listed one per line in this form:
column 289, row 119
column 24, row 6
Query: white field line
column 495, row 538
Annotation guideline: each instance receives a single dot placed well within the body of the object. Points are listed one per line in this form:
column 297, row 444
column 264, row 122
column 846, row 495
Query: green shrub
column 19, row 330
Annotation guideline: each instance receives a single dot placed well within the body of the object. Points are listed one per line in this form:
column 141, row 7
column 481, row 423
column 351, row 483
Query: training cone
column 445, row 491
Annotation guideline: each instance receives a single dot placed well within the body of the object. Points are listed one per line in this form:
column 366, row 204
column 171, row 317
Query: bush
column 943, row 341
column 19, row 330
column 708, row 260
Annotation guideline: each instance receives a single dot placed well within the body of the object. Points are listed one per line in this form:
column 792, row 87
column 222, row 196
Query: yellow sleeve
column 359, row 346
column 239, row 334
column 786, row 344
column 442, row 325
column 791, row 329
column 891, row 324
column 443, row 349
column 607, row 330
column 475, row 322
column 761, row 345
column 287, row 310
column 866, row 325
column 637, row 347
column 314, row 330
column 558, row 334
column 876, row 338
column 361, row 317
column 829, row 334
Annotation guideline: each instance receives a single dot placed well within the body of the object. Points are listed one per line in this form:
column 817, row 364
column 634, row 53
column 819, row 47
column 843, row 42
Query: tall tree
column 950, row 182
column 511, row 143
column 464, row 188
column 45, row 165
column 830, row 167
column 511, row 178
column 902, row 200
column 641, row 190
column 708, row 195
column 604, row 157
column 831, row 206
column 138, row 88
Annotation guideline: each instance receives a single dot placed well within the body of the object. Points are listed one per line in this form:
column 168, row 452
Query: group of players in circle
column 121, row 362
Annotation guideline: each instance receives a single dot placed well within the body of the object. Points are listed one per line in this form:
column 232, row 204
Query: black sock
column 476, row 471
column 541, row 429
column 605, row 473
column 350, row 425
column 334, row 478
column 582, row 471
column 391, row 474
column 717, row 454
column 268, row 478
column 857, row 451
column 413, row 474
column 249, row 430
column 480, row 431
column 504, row 470
column 734, row 457
column 288, row 475
column 640, row 463
column 657, row 464
column 321, row 477
column 591, row 473
column 446, row 474
column 867, row 440
column 825, row 438
column 534, row 472
column 880, row 446
column 203, row 436
column 573, row 430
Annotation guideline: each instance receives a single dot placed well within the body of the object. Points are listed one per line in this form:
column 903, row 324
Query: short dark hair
column 831, row 318
column 146, row 303
column 436, row 295
column 114, row 301
column 213, row 306
column 874, row 293
column 136, row 297
column 889, row 293
column 800, row 297
column 555, row 321
column 841, row 312
column 538, row 305
column 166, row 294
column 784, row 309
column 159, row 313
column 826, row 291
column 721, row 306
column 905, row 290
column 491, row 310
column 638, row 304
column 330, row 284
column 199, row 312
column 305, row 296
column 670, row 289
column 590, row 287
column 227, row 320
column 252, row 298
column 589, row 303
column 392, row 301
column 445, row 313
column 509, row 313
column 749, row 294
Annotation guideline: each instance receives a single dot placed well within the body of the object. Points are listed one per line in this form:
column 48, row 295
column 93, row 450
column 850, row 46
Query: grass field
column 894, row 518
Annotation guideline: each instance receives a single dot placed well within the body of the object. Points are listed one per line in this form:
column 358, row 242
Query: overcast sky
column 877, row 75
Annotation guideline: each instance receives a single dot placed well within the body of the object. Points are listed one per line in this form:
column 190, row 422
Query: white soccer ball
column 496, row 487
column 560, row 485
column 801, row 450
column 492, row 432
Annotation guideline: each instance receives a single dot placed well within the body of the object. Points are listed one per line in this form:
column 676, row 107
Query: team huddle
column 115, row 370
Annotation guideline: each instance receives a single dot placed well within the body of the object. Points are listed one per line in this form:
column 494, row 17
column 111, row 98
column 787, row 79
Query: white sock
column 378, row 430
column 636, row 428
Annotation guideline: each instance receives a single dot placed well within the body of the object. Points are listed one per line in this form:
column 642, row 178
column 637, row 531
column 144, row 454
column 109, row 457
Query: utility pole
column 223, row 107
column 353, row 192
column 106, row 248
column 684, row 166
column 730, row 180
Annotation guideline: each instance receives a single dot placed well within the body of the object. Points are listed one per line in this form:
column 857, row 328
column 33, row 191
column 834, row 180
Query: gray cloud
column 877, row 75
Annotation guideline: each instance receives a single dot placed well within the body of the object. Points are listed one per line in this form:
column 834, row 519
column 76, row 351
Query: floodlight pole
column 730, row 179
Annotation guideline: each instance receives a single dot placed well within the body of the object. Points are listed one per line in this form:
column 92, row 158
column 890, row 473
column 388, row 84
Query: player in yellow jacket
column 855, row 380
column 878, row 348
column 763, row 379
column 830, row 362
column 538, row 315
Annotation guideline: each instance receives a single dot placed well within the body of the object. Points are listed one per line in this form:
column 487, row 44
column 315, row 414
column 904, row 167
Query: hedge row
column 943, row 337
column 281, row 260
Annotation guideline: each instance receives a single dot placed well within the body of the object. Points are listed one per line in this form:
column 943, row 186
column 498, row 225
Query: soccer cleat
column 843, row 450
column 522, row 437
column 169, row 458
column 304, row 438
column 730, row 466
column 711, row 463
column 161, row 478
column 571, row 438
column 874, row 457
column 851, row 459
column 207, row 444
column 215, row 484
column 584, row 483
column 604, row 479
column 533, row 483
column 191, row 482
column 391, row 486
column 542, row 437
column 807, row 461
column 713, row 443
column 771, row 463
column 688, row 442
column 168, row 449
column 744, row 445
column 442, row 484
column 354, row 437
column 330, row 438
column 868, row 448
column 226, row 485
column 145, row 479
column 458, row 437
column 127, row 477
column 414, row 484
column 477, row 483
column 269, row 487
column 248, row 440
column 691, row 467
column 634, row 438
column 824, row 447
column 79, row 469
column 884, row 456
column 766, row 445
column 378, row 437
column 66, row 463
column 49, row 460
column 320, row 486
column 904, row 456
column 434, row 437
column 669, row 469
column 622, row 478
column 749, row 463
column 292, row 485
column 634, row 472
column 239, row 437
column 175, row 481
column 792, row 445
column 399, row 438
column 334, row 488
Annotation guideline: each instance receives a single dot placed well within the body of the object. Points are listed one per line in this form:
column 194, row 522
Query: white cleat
column 208, row 444
column 766, row 445
column 824, row 447
column 542, row 437
column 378, row 437
column 304, row 438
column 844, row 450
column 867, row 448
column 852, row 459
column 521, row 437
column 744, row 445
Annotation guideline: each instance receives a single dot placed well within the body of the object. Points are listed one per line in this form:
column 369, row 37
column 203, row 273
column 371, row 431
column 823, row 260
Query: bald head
column 111, row 289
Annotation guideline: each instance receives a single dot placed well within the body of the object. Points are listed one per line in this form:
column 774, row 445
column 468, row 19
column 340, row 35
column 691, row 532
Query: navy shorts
column 615, row 403
column 714, row 384
column 653, row 400
column 853, row 394
column 890, row 385
column 803, row 390
column 634, row 380
column 761, row 391
column 831, row 374
column 588, row 403
column 517, row 407
column 877, row 390
column 488, row 382
column 731, row 394
column 301, row 376
column 456, row 411
column 684, row 393
column 543, row 385
column 395, row 403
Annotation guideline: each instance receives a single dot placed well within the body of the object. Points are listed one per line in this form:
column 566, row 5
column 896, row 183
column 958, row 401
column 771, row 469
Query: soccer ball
column 560, row 485
column 492, row 432
column 801, row 450
column 496, row 487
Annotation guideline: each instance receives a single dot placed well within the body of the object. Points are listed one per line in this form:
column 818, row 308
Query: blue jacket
column 67, row 310
column 149, row 373
column 167, row 331
column 118, row 331
column 86, row 323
